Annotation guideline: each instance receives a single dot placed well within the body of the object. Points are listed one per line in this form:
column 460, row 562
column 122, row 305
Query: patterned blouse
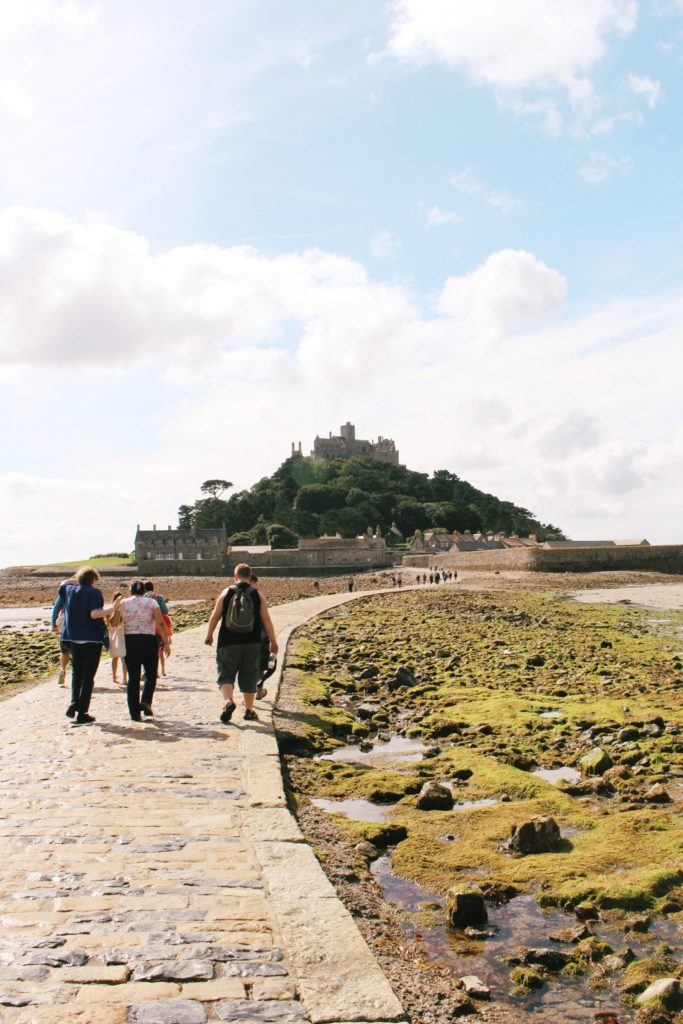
column 138, row 614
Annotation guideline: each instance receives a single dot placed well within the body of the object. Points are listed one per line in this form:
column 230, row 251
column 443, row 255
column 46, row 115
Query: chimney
column 169, row 529
column 300, row 449
column 155, row 527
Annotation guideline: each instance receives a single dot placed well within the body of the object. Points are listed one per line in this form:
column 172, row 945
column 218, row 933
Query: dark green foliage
column 281, row 537
column 309, row 497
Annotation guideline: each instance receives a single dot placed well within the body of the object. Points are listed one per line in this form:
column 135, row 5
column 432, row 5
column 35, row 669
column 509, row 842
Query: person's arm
column 161, row 601
column 267, row 623
column 215, row 617
column 161, row 626
column 56, row 608
column 101, row 611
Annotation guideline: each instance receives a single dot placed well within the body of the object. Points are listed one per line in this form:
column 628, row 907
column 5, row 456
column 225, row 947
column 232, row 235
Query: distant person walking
column 437, row 577
column 431, row 577
column 142, row 617
column 161, row 601
column 350, row 584
column 243, row 614
column 316, row 586
column 83, row 605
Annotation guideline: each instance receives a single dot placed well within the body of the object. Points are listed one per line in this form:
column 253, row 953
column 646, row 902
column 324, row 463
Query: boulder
column 434, row 797
column 466, row 907
column 403, row 676
column 667, row 991
column 475, row 987
column 371, row 672
column 629, row 732
column 539, row 835
column 367, row 710
column 552, row 959
column 595, row 762
column 657, row 795
column 587, row 912
column 462, row 774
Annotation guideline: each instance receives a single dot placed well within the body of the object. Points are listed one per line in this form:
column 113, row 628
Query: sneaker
column 147, row 710
column 261, row 693
column 61, row 677
column 84, row 719
column 71, row 711
column 226, row 713
column 250, row 715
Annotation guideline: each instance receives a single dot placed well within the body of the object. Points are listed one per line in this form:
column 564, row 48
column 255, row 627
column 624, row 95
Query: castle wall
column 662, row 558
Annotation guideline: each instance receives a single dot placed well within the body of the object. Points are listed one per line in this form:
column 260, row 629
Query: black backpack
column 239, row 610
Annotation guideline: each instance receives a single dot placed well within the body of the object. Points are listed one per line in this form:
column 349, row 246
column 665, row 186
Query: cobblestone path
column 151, row 873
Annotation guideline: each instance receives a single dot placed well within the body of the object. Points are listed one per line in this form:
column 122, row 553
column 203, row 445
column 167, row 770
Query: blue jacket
column 78, row 601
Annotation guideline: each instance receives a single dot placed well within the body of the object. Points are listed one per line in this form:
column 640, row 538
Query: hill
column 308, row 497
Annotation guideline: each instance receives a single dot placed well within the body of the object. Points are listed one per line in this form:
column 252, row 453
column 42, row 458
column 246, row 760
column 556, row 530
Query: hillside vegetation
column 309, row 497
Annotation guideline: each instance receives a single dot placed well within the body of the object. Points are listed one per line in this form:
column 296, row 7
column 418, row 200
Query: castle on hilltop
column 345, row 445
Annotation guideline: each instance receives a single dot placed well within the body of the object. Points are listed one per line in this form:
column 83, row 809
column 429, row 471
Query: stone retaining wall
column 662, row 558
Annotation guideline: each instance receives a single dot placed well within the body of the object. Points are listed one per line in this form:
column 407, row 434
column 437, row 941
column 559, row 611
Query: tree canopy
column 308, row 497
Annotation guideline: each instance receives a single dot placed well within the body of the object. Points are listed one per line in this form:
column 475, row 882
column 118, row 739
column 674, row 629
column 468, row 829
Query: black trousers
column 84, row 661
column 142, row 651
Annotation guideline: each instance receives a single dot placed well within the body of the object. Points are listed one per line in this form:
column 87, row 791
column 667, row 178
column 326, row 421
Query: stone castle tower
column 345, row 445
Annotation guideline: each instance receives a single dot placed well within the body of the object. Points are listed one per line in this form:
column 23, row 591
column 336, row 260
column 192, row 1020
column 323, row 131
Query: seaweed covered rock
column 595, row 762
column 434, row 796
column 539, row 835
column 466, row 907
column 403, row 676
column 665, row 991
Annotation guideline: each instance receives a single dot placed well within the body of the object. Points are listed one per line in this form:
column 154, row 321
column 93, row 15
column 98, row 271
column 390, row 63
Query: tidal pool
column 555, row 775
column 358, row 810
column 398, row 747
column 520, row 922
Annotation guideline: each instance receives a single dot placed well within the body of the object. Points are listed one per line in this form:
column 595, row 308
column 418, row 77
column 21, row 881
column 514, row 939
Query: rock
column 522, row 762
column 366, row 850
column 602, row 787
column 657, row 795
column 479, row 933
column 466, row 907
column 539, row 835
column 434, row 797
column 445, row 729
column 629, row 732
column 571, row 934
column 664, row 990
column 402, row 677
column 367, row 710
column 527, row 979
column 475, row 987
column 535, row 661
column 552, row 959
column 463, row 774
column 638, row 924
column 167, row 1011
column 371, row 672
column 595, row 762
column 365, row 746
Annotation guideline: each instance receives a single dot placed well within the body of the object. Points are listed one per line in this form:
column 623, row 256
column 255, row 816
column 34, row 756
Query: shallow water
column 398, row 747
column 26, row 618
column 358, row 810
column 521, row 922
column 555, row 775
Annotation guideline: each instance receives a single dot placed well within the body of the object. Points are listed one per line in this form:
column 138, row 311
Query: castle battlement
column 346, row 445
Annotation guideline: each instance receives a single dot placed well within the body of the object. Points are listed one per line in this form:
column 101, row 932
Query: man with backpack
column 243, row 614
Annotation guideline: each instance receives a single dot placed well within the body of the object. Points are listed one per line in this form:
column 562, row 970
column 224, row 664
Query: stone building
column 186, row 552
column 345, row 445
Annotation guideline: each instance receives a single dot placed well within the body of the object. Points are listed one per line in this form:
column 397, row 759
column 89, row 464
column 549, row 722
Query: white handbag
column 117, row 642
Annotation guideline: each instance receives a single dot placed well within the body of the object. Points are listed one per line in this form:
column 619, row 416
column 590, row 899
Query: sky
column 228, row 226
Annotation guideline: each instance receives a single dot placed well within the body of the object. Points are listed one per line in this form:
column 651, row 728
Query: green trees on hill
column 309, row 497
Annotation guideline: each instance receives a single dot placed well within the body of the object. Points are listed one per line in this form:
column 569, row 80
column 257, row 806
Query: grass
column 99, row 562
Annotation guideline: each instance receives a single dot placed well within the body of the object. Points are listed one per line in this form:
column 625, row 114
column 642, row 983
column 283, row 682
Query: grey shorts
column 241, row 661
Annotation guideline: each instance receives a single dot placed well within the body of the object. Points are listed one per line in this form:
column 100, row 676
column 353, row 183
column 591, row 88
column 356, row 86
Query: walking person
column 83, row 605
column 243, row 614
column 161, row 601
column 350, row 585
column 114, row 624
column 141, row 616
column 58, row 622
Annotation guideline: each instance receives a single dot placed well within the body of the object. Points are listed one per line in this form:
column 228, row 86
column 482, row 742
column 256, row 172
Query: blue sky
column 455, row 224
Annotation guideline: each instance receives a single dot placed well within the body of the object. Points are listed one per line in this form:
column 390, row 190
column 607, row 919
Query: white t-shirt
column 138, row 614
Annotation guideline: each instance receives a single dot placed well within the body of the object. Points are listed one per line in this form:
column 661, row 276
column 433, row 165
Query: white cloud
column 600, row 167
column 537, row 45
column 20, row 18
column 468, row 185
column 15, row 99
column 510, row 290
column 643, row 85
column 435, row 217
column 550, row 413
column 385, row 245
